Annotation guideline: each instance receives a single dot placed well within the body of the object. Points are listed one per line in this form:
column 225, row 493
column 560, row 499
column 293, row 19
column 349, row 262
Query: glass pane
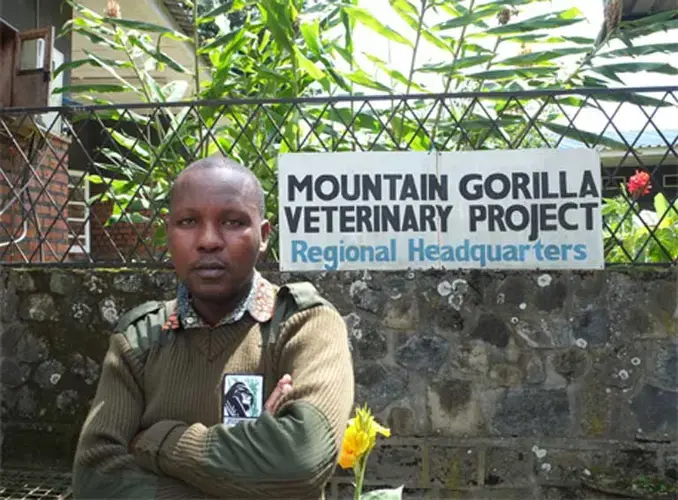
column 76, row 211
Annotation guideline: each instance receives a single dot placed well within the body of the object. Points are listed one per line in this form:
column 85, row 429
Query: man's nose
column 209, row 238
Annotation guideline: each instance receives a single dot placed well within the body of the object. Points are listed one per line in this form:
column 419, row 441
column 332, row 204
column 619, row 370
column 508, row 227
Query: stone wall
column 515, row 385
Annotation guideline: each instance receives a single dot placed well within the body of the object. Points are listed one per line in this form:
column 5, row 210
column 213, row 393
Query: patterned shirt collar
column 259, row 303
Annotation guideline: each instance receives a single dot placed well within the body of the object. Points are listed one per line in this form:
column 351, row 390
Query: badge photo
column 243, row 398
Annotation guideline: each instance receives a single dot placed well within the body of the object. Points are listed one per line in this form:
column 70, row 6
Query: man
column 235, row 389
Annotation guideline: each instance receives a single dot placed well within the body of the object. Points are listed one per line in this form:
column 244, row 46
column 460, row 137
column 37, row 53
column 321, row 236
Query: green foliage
column 298, row 48
column 640, row 236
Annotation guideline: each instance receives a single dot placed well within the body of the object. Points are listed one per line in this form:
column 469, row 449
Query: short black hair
column 219, row 161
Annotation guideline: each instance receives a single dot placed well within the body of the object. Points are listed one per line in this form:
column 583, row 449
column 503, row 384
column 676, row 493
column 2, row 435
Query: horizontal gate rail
column 87, row 185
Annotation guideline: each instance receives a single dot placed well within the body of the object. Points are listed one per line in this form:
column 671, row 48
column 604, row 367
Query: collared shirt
column 259, row 303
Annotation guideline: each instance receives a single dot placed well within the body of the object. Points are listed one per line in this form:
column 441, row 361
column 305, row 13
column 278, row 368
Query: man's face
column 215, row 232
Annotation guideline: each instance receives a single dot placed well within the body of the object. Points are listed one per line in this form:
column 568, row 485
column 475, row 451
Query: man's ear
column 265, row 230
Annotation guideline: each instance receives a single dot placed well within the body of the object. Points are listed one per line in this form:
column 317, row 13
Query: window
column 25, row 66
column 670, row 180
column 78, row 212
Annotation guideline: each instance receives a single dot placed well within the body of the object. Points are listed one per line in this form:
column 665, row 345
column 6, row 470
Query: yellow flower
column 347, row 459
column 355, row 444
column 360, row 437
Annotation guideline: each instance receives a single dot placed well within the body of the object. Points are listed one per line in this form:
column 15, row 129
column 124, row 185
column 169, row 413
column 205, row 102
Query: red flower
column 639, row 184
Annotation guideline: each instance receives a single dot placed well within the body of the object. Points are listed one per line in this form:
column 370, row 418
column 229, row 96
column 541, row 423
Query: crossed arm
column 288, row 454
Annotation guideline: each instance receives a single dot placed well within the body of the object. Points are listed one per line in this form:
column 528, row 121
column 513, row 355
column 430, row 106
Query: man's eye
column 234, row 222
column 186, row 222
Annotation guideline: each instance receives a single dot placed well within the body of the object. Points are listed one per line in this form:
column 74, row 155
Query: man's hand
column 134, row 442
column 282, row 389
column 273, row 403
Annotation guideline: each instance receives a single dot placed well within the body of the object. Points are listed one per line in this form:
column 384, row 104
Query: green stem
column 158, row 125
column 420, row 27
column 482, row 84
column 586, row 60
column 196, row 62
column 457, row 51
column 123, row 39
column 362, row 465
column 489, row 63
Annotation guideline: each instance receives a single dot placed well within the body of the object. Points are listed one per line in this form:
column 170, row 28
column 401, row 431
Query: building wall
column 495, row 385
column 30, row 14
column 122, row 241
column 150, row 11
column 45, row 238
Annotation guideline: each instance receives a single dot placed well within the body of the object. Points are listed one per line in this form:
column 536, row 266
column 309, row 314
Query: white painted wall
column 151, row 11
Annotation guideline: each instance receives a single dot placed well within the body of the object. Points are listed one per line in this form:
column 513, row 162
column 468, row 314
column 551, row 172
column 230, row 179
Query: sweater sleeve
column 290, row 455
column 103, row 467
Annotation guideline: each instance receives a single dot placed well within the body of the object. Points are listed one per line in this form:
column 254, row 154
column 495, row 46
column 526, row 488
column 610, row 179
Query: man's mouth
column 210, row 269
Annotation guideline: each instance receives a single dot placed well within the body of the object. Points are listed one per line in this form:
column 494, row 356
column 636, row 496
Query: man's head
column 216, row 228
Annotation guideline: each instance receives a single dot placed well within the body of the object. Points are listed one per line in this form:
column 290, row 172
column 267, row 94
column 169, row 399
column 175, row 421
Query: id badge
column 243, row 398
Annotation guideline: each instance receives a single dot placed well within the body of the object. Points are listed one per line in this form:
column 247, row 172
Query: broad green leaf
column 70, row 65
column 459, row 64
column 515, row 3
column 580, row 40
column 159, row 55
column 223, row 23
column 98, row 39
column 463, row 17
column 336, row 77
column 661, row 205
column 447, row 8
column 154, row 28
column 224, row 8
column 278, row 24
column 154, row 87
column 345, row 54
column 175, row 90
column 634, row 98
column 593, row 82
column 404, row 7
column 611, row 71
column 122, row 164
column 548, row 39
column 574, row 101
column 131, row 143
column 223, row 41
column 475, row 48
column 364, row 17
column 635, row 32
column 652, row 20
column 91, row 26
column 643, row 50
column 102, row 88
column 304, row 63
column 411, row 21
column 384, row 494
column 581, row 135
column 394, row 74
column 466, row 20
column 102, row 64
column 311, row 34
column 122, row 115
column 549, row 21
column 362, row 78
column 541, row 57
column 509, row 74
column 434, row 39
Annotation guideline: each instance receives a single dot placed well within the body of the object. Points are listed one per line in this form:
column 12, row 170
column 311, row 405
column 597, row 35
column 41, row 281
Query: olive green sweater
column 169, row 384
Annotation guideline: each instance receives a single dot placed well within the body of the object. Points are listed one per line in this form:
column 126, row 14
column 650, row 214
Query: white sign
column 515, row 209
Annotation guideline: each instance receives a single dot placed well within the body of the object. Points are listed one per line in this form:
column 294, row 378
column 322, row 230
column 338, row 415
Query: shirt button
column 189, row 321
